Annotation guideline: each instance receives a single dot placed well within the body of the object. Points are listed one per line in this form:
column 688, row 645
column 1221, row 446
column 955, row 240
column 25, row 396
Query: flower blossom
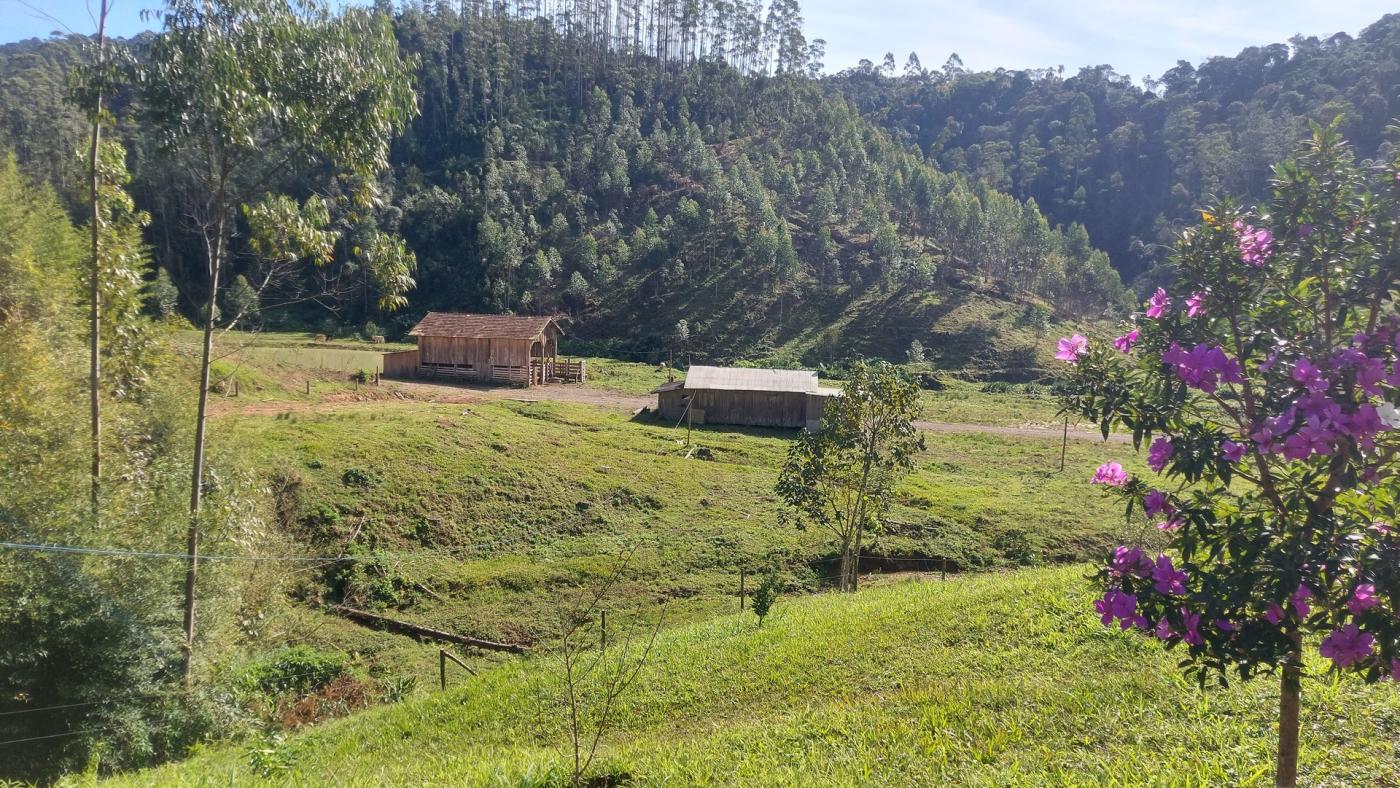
column 1306, row 374
column 1157, row 502
column 1274, row 613
column 1071, row 348
column 1158, row 453
column 1362, row 599
column 1130, row 561
column 1190, row 622
column 1117, row 605
column 1300, row 599
column 1231, row 451
column 1125, row 343
column 1256, row 246
column 1203, row 367
column 1158, row 304
column 1111, row 474
column 1171, row 523
column 1166, row 578
column 1196, row 304
column 1346, row 646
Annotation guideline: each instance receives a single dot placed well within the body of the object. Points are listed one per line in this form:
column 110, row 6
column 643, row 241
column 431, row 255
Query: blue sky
column 1137, row 37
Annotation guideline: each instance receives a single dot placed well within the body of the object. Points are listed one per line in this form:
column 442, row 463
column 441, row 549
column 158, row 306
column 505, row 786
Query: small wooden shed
column 747, row 397
column 518, row 349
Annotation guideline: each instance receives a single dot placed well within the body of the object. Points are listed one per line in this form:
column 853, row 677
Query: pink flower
column 1129, row 561
column 1309, row 376
column 1347, row 646
column 1171, row 523
column 1072, row 348
column 1385, row 529
column 1166, row 578
column 1117, row 605
column 1300, row 601
column 1256, row 246
column 1159, row 453
column 1158, row 304
column 1190, row 621
column 1231, row 450
column 1362, row 599
column 1204, row 367
column 1304, row 230
column 1274, row 613
column 1164, row 630
column 1196, row 304
column 1157, row 502
column 1125, row 343
column 1111, row 474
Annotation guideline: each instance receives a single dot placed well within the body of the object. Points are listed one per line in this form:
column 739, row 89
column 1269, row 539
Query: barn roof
column 458, row 324
column 745, row 379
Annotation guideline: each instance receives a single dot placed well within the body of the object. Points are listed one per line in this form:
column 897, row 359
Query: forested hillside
column 1127, row 160
column 637, row 172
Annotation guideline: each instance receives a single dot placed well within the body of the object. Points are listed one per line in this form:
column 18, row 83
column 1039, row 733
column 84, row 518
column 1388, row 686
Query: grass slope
column 992, row 680
column 533, row 497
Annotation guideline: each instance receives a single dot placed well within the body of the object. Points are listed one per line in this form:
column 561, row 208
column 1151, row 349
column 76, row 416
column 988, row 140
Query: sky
column 1136, row 37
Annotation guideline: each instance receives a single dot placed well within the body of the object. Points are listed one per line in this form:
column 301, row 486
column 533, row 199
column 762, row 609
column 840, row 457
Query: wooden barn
column 747, row 397
column 518, row 349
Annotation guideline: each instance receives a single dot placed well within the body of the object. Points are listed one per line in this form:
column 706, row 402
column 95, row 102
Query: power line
column 57, row 735
column 120, row 553
column 52, row 708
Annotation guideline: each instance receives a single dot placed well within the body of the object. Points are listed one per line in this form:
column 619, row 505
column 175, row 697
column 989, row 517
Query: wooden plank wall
column 401, row 364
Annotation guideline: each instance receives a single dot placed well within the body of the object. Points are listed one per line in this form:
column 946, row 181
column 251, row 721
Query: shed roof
column 745, row 379
column 458, row 324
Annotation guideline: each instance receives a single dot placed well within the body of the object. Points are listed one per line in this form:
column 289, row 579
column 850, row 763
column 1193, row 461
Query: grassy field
column 999, row 679
column 529, row 498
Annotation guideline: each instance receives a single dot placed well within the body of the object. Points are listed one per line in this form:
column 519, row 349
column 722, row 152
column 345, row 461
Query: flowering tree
column 1265, row 387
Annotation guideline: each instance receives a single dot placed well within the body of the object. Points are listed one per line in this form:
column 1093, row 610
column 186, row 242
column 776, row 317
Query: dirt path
column 441, row 393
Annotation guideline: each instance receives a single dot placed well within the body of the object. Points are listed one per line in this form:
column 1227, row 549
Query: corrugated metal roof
column 455, row 324
column 745, row 379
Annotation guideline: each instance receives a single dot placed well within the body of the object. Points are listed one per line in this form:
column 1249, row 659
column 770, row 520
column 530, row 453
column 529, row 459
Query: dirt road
column 430, row 393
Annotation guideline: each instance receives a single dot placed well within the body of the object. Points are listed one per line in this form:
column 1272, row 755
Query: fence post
column 442, row 668
column 603, row 630
column 943, row 572
column 741, row 588
column 235, row 387
column 308, row 387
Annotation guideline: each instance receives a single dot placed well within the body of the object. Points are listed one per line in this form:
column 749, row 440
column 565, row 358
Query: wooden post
column 1064, row 444
column 741, row 589
column 603, row 631
column 308, row 387
column 442, row 667
column 235, row 387
column 689, row 419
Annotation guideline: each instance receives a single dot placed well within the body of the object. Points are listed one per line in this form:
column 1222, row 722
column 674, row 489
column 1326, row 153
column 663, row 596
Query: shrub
column 358, row 477
column 297, row 669
column 372, row 330
column 769, row 588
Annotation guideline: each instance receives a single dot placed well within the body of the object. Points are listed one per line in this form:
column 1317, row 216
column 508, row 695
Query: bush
column 372, row 330
column 998, row 387
column 362, row 376
column 767, row 593
column 298, row 669
column 358, row 477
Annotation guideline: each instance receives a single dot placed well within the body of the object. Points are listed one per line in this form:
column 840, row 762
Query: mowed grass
column 501, row 507
column 996, row 679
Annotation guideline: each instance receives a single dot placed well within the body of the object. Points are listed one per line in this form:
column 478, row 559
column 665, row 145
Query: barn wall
column 401, row 364
column 671, row 404
column 752, row 408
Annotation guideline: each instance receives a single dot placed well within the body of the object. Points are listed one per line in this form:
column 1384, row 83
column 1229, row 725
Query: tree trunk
column 1286, row 773
column 855, row 563
column 844, row 578
column 216, row 253
column 95, row 313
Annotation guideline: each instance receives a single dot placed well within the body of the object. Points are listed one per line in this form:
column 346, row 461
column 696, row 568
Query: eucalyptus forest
column 229, row 552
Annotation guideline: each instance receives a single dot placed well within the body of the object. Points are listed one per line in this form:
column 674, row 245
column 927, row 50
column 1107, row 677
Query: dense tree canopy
column 1130, row 161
